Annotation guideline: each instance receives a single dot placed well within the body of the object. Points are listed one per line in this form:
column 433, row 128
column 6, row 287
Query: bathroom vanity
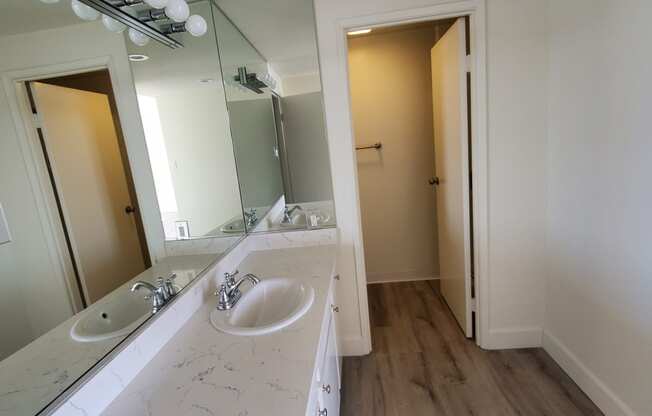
column 291, row 371
column 146, row 157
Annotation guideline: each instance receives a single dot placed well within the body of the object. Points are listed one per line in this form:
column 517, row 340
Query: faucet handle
column 170, row 289
column 229, row 278
column 223, row 300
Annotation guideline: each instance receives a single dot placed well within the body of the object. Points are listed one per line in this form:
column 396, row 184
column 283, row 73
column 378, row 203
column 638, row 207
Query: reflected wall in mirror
column 89, row 194
column 273, row 89
column 182, row 106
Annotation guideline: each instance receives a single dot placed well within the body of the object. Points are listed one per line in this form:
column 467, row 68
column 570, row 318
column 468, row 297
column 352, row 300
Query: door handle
column 129, row 209
column 434, row 180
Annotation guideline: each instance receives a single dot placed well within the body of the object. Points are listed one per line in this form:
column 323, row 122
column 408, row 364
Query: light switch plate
column 5, row 235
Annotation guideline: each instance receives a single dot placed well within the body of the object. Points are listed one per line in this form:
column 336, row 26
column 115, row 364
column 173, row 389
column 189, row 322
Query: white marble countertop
column 201, row 371
column 36, row 374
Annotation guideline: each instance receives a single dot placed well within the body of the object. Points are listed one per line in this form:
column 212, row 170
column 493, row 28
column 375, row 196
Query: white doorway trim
column 343, row 159
column 41, row 186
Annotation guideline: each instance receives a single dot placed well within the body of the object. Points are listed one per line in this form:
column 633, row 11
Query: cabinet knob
column 322, row 412
column 335, row 308
column 326, row 388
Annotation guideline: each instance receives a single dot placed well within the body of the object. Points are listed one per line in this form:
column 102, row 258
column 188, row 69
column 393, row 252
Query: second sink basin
column 267, row 307
column 110, row 319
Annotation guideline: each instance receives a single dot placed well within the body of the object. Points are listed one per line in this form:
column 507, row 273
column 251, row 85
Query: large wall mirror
column 134, row 152
column 273, row 89
column 183, row 110
column 117, row 167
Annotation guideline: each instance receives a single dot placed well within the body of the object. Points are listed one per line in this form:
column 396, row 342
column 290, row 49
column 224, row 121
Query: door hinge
column 473, row 305
column 468, row 63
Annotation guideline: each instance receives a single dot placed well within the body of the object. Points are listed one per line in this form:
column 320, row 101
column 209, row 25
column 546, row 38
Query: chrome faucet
column 251, row 218
column 287, row 214
column 229, row 293
column 159, row 294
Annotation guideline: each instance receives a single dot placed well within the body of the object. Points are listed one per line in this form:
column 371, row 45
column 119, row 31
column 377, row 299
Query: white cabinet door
column 324, row 397
column 330, row 385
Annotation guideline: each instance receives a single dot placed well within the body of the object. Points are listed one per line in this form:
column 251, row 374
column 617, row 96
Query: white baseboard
column 396, row 277
column 507, row 338
column 596, row 389
column 353, row 347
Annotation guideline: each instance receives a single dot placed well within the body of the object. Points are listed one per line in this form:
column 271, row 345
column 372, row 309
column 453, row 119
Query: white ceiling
column 282, row 30
column 23, row 16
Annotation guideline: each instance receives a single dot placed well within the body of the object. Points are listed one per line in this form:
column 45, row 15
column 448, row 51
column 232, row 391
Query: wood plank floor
column 422, row 365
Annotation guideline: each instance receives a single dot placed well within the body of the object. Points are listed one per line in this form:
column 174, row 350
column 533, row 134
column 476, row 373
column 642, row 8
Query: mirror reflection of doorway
column 83, row 149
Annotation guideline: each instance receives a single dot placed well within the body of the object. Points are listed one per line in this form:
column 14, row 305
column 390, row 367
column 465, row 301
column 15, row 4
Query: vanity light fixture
column 137, row 57
column 143, row 24
column 157, row 4
column 113, row 25
column 84, row 11
column 177, row 10
column 359, row 32
column 138, row 38
column 250, row 81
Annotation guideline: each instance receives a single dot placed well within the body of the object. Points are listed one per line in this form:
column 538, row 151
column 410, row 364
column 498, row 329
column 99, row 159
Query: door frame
column 335, row 78
column 14, row 83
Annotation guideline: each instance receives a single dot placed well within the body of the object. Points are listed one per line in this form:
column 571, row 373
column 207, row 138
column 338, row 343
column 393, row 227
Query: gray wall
column 254, row 141
column 307, row 149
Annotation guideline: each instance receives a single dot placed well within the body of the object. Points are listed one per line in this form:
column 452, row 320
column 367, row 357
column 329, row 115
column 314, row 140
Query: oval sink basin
column 116, row 317
column 298, row 221
column 267, row 307
column 234, row 226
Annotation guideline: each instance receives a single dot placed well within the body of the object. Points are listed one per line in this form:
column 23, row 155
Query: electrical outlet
column 5, row 235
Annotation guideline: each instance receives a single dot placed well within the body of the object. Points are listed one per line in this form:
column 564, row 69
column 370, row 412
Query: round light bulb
column 83, row 11
column 196, row 25
column 138, row 38
column 113, row 25
column 177, row 10
column 157, row 4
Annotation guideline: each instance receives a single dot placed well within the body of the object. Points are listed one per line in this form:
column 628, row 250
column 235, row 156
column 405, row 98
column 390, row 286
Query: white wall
column 200, row 155
column 516, row 60
column 300, row 84
column 27, row 261
column 599, row 200
column 516, row 182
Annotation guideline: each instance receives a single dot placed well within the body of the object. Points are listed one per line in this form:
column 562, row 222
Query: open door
column 88, row 177
column 449, row 92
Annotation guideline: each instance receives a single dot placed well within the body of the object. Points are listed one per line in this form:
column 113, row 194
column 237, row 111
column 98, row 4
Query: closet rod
column 376, row 146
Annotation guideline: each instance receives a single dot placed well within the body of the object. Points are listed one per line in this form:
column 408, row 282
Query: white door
column 82, row 147
column 449, row 91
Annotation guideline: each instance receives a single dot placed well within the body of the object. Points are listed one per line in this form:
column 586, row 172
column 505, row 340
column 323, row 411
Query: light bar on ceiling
column 132, row 22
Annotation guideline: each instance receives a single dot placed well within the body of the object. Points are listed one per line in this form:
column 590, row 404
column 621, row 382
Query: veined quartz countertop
column 202, row 371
